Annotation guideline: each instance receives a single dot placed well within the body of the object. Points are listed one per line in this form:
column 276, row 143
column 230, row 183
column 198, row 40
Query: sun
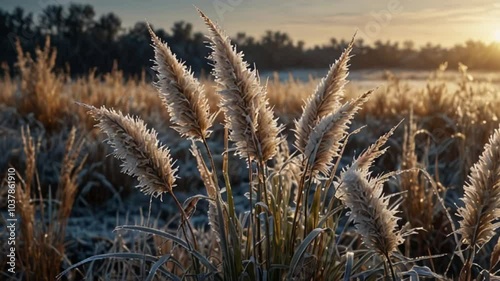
column 496, row 35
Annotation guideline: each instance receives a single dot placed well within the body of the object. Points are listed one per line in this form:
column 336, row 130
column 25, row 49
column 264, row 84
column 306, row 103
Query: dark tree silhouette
column 85, row 42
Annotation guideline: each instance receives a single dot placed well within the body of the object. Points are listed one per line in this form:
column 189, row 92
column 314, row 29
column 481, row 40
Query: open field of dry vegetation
column 244, row 179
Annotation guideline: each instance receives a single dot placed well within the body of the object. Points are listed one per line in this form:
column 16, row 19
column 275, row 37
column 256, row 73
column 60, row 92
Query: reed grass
column 294, row 224
column 261, row 245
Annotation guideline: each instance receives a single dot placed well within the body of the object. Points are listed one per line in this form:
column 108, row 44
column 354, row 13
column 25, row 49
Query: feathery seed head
column 482, row 196
column 182, row 94
column 325, row 100
column 252, row 125
column 326, row 138
column 138, row 149
column 375, row 221
column 365, row 160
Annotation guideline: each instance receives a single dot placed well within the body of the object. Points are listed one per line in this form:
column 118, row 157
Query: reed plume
column 138, row 148
column 325, row 100
column 375, row 220
column 366, row 159
column 181, row 93
column 482, row 196
column 325, row 140
column 248, row 115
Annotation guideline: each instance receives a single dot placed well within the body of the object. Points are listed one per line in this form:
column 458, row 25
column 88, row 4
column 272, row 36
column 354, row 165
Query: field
column 71, row 194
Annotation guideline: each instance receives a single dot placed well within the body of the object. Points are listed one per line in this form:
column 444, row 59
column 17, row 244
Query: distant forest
column 85, row 41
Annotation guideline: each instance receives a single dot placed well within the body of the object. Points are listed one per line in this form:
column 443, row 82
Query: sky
column 313, row 21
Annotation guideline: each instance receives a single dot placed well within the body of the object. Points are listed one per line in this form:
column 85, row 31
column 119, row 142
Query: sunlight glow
column 497, row 35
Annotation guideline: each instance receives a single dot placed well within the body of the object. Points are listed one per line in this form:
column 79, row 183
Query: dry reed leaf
column 495, row 255
column 205, row 173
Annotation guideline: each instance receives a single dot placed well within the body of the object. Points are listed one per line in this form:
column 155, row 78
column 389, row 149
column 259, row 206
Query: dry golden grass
column 43, row 220
column 41, row 87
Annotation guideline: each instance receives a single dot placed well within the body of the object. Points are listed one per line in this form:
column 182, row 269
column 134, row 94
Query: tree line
column 85, row 41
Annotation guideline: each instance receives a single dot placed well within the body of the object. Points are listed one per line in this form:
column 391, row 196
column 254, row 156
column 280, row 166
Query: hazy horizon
column 313, row 22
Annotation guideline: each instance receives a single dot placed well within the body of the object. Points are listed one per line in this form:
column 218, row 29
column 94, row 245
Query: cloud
column 425, row 17
column 457, row 15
